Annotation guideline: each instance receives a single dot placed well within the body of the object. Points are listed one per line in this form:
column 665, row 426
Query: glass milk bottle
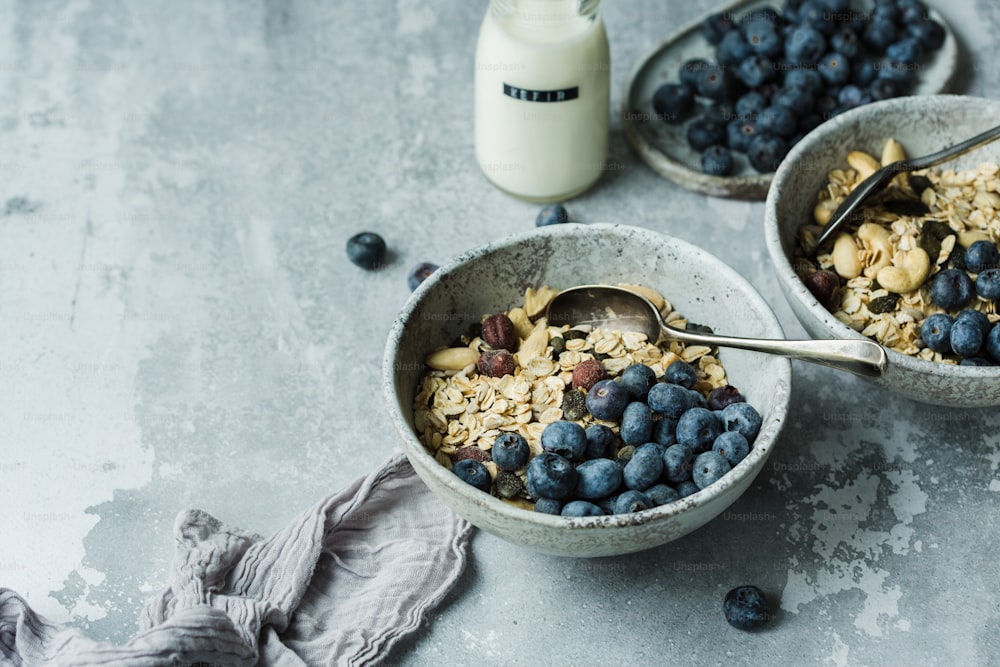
column 542, row 97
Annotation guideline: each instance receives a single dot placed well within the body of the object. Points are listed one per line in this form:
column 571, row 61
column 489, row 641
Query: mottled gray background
column 180, row 328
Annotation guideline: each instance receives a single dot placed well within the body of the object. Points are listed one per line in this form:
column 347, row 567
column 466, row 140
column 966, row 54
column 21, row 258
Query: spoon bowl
column 620, row 309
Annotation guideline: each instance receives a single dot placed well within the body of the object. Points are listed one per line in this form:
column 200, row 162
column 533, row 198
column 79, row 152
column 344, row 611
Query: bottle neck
column 545, row 20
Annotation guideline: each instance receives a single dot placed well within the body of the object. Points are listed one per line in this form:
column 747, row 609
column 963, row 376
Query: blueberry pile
column 671, row 442
column 777, row 75
column 969, row 334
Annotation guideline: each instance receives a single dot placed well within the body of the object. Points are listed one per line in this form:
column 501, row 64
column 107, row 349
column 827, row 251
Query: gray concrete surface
column 180, row 328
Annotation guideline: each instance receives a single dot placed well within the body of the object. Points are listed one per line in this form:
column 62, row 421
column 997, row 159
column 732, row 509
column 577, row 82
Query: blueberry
column 805, row 44
column 473, row 472
column 864, row 71
column 813, row 14
column 565, row 438
column 665, row 431
column 732, row 49
column 698, row 428
column 763, row 38
column 716, row 83
column 928, row 32
column 879, row 34
column 366, row 249
column 803, row 77
column 766, row 151
column 677, row 462
column 976, row 317
column 981, row 255
column 662, row 494
column 732, row 446
column 796, row 98
column 952, row 289
column 637, row 424
column 702, row 133
column 749, row 105
column 551, row 476
column 632, row 501
column 976, row 361
column 510, row 451
column 719, row 112
column 598, row 478
column 744, row 418
column 607, row 399
column 689, row 72
column 936, row 332
column 669, row 399
column 600, row 442
column 886, row 11
column 698, row 399
column 548, row 506
column 637, row 380
column 581, row 508
column 687, row 488
column 755, row 71
column 988, row 284
column 739, row 133
column 645, row 467
column 553, row 214
column 845, row 41
column 682, row 373
column 992, row 344
column 709, row 467
column 906, row 50
column 966, row 337
column 911, row 11
column 722, row 396
column 835, row 69
column 717, row 160
column 903, row 74
column 419, row 274
column 778, row 120
column 746, row 608
column 826, row 104
column 884, row 89
column 716, row 26
column 851, row 96
column 673, row 102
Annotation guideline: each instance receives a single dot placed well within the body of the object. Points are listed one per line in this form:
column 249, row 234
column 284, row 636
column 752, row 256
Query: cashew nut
column 908, row 271
column 892, row 152
column 863, row 163
column 876, row 252
column 846, row 262
column 534, row 345
column 824, row 211
column 967, row 237
column 452, row 358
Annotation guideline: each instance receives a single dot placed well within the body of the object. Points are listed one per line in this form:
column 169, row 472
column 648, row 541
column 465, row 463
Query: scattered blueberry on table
column 366, row 249
column 746, row 608
column 553, row 214
column 807, row 63
column 419, row 274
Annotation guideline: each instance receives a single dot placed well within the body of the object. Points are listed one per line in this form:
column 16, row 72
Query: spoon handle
column 861, row 357
column 951, row 152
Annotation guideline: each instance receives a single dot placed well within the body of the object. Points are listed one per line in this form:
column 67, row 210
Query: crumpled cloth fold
column 340, row 585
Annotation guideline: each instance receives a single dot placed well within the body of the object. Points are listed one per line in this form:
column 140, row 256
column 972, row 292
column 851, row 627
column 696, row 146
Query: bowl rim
column 751, row 465
column 780, row 262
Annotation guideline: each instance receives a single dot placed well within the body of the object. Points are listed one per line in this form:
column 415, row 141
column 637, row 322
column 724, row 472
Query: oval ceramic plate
column 664, row 147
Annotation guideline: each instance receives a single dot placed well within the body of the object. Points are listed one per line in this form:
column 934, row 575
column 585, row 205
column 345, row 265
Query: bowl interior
column 493, row 279
column 922, row 124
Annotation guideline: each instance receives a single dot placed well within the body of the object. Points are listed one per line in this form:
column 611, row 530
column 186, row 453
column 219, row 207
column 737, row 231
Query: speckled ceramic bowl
column 493, row 278
column 922, row 125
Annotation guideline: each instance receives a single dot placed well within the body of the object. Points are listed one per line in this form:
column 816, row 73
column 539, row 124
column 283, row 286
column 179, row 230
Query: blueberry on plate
column 637, row 380
column 553, row 214
column 366, row 249
column 778, row 120
column 717, row 160
column 835, row 68
column 673, row 102
column 689, row 69
column 845, row 41
column 565, row 438
column 709, row 467
column 687, row 488
column 967, row 335
column 755, row 71
column 928, row 32
column 581, row 508
column 732, row 446
column 992, row 345
column 952, row 289
column 988, row 284
column 548, row 506
column 600, row 442
column 981, row 255
column 665, row 431
column 551, row 476
column 510, row 451
column 717, row 83
column 907, row 51
column 739, row 133
column 632, row 501
column 766, row 151
column 716, row 26
column 732, row 49
column 677, row 463
column 473, row 472
column 698, row 428
column 796, row 98
column 682, row 373
column 805, row 44
column 645, row 467
column 607, row 399
column 880, row 33
column 598, row 478
column 804, row 77
column 668, row 399
column 746, row 608
column 742, row 417
column 936, row 332
column 750, row 104
column 636, row 425
column 419, row 274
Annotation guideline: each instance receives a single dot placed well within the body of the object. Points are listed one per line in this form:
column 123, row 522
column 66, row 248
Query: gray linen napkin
column 338, row 586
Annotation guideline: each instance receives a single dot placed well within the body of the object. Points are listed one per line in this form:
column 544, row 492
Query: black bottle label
column 561, row 95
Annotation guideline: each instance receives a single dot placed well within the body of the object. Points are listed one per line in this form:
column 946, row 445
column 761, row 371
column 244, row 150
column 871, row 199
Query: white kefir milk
column 542, row 97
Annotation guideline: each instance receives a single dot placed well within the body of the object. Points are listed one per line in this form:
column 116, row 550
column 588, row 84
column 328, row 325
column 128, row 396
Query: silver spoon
column 620, row 309
column 877, row 182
